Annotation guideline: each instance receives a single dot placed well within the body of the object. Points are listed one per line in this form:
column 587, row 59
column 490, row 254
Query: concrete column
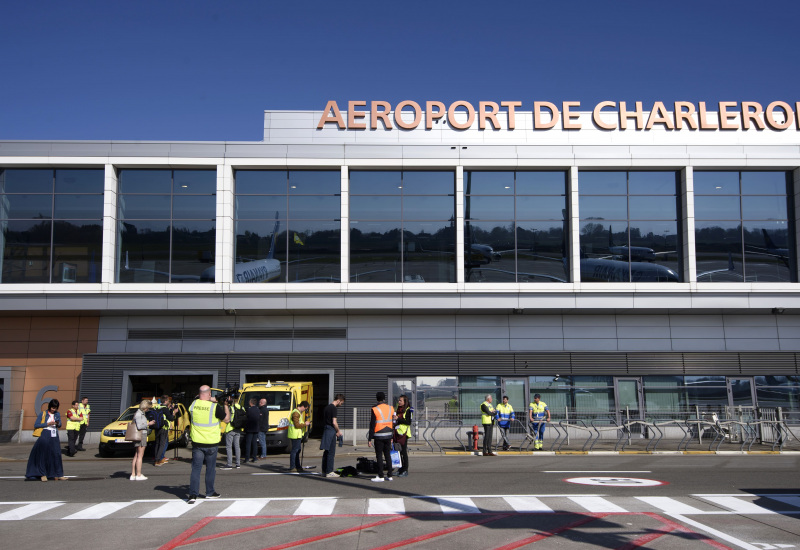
column 573, row 226
column 687, row 225
column 111, row 260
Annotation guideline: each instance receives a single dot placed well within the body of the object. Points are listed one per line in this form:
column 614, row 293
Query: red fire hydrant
column 475, row 434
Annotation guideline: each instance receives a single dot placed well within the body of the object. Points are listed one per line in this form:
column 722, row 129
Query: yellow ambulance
column 282, row 398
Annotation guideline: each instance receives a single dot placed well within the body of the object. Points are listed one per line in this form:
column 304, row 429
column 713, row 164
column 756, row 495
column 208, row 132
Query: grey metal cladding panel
column 139, row 149
column 255, row 150
column 712, row 369
column 81, row 149
column 194, row 149
column 471, row 363
column 333, row 152
column 420, row 364
column 655, row 370
column 579, row 370
column 248, row 361
column 24, row 149
column 317, row 361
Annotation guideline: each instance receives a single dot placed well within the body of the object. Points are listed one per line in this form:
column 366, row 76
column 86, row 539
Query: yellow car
column 112, row 438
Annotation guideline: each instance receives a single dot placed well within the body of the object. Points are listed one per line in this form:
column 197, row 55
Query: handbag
column 396, row 462
column 132, row 433
column 38, row 431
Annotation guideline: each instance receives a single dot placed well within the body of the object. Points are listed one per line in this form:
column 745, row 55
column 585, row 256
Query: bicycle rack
column 580, row 426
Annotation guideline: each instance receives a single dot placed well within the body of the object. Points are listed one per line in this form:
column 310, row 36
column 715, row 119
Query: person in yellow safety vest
column 205, row 414
column 505, row 414
column 297, row 429
column 381, row 430
column 402, row 432
column 233, row 436
column 171, row 414
column 539, row 416
column 487, row 419
column 74, row 423
column 85, row 410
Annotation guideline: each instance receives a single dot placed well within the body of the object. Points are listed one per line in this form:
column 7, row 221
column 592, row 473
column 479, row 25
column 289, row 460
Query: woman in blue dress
column 45, row 458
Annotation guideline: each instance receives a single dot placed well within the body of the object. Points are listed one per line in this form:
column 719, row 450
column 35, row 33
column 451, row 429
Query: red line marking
column 546, row 534
column 641, row 541
column 177, row 541
column 243, row 529
column 435, row 534
column 694, row 534
column 335, row 533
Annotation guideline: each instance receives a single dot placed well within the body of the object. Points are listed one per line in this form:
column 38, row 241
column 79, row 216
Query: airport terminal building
column 607, row 256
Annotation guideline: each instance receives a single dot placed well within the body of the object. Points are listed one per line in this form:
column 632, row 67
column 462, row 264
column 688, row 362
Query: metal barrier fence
column 720, row 428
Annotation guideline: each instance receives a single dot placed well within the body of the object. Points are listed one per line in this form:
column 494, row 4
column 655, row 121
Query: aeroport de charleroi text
column 730, row 115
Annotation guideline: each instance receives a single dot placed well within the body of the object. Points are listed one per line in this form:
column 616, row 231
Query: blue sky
column 206, row 70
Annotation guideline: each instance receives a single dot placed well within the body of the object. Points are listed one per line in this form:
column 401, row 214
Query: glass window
column 514, row 227
column 401, row 226
column 79, row 181
column 38, row 246
column 26, row 180
column 167, row 229
column 615, row 245
column 747, row 236
column 287, row 226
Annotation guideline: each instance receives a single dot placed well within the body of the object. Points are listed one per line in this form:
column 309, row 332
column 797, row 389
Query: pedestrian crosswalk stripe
column 99, row 511
column 169, row 510
column 458, row 505
column 670, row 505
column 29, row 510
column 527, row 504
column 316, row 507
column 738, row 505
column 379, row 506
column 245, row 507
column 597, row 504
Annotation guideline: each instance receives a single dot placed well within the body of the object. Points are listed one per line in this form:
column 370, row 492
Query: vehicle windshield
column 128, row 414
column 276, row 400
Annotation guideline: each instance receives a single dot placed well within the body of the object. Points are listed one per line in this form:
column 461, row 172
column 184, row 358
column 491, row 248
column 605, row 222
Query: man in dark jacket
column 251, row 431
column 263, row 426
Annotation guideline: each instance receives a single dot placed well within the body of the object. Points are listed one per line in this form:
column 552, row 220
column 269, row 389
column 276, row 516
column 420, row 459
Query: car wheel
column 185, row 438
column 105, row 452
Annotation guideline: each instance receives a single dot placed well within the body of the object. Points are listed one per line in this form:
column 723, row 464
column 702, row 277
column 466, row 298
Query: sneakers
column 402, row 474
column 238, row 466
column 133, row 477
column 192, row 499
column 377, row 479
column 389, row 478
column 227, row 467
column 331, row 474
column 141, row 478
column 214, row 495
column 158, row 463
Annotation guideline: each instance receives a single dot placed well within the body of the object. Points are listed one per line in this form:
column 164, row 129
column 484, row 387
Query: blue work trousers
column 200, row 456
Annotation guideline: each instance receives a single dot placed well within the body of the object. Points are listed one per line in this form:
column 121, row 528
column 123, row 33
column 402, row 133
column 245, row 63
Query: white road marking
column 99, row 511
column 458, row 505
column 316, row 507
column 738, row 505
column 244, row 507
column 285, row 474
column 173, row 509
column 596, row 504
column 670, row 505
column 719, row 534
column 597, row 471
column 527, row 504
column 29, row 510
column 386, row 506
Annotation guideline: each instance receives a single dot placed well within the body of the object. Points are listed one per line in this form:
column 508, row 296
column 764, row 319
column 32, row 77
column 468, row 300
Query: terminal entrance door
column 742, row 399
column 629, row 402
column 517, row 391
column 407, row 387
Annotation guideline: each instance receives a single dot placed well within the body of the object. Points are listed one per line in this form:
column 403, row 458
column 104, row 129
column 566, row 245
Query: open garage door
column 322, row 381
